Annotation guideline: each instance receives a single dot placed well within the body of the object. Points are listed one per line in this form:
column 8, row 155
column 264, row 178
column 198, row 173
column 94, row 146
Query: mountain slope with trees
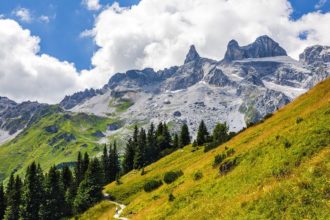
column 276, row 169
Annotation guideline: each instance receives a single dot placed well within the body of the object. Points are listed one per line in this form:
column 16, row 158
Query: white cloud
column 23, row 14
column 320, row 4
column 92, row 5
column 44, row 18
column 158, row 33
column 26, row 75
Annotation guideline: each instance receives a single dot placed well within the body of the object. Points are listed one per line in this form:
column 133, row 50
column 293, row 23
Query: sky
column 53, row 48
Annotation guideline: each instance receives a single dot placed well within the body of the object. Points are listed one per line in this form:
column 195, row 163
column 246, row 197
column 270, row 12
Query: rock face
column 264, row 46
column 71, row 101
column 315, row 55
column 249, row 83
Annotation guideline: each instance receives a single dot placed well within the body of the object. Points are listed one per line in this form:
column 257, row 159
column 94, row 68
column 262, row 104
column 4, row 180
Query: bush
column 298, row 120
column 287, row 144
column 228, row 165
column 171, row 197
column 152, row 185
column 198, row 175
column 210, row 146
column 171, row 176
column 218, row 159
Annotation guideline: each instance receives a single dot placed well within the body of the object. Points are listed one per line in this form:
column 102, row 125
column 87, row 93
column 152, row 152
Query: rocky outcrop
column 264, row 46
column 315, row 55
column 192, row 55
column 70, row 101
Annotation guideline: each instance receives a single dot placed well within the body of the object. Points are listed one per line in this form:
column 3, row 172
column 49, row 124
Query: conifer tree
column 128, row 162
column 220, row 133
column 167, row 137
column 53, row 206
column 2, row 201
column 106, row 165
column 66, row 178
column 202, row 134
column 184, row 136
column 114, row 162
column 176, row 141
column 90, row 189
column 69, row 189
column 139, row 157
column 151, row 146
column 78, row 170
column 85, row 163
column 13, row 194
column 33, row 193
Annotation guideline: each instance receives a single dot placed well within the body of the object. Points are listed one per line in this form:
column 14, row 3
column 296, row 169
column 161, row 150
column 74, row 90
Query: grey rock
column 315, row 55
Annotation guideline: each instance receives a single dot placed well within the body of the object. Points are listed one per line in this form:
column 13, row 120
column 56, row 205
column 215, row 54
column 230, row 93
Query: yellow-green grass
column 33, row 143
column 283, row 172
column 105, row 210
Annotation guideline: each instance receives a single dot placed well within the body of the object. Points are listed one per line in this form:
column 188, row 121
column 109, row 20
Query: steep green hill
column 54, row 139
column 279, row 169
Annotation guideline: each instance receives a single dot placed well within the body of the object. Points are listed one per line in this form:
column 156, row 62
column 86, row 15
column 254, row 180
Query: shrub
column 218, row 159
column 230, row 152
column 152, row 185
column 198, row 175
column 171, row 176
column 287, row 144
column 171, row 197
column 298, row 120
column 228, row 165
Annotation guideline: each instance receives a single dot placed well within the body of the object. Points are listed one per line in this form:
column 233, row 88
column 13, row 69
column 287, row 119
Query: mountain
column 249, row 83
column 277, row 169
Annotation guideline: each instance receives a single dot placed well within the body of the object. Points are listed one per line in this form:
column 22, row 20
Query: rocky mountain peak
column 192, row 55
column 263, row 46
column 315, row 55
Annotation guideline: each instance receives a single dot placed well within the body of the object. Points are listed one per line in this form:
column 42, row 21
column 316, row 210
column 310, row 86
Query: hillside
column 280, row 169
column 54, row 139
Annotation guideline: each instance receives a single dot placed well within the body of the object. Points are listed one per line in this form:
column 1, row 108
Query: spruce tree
column 114, row 162
column 128, row 162
column 33, row 193
column 53, row 206
column 90, row 189
column 13, row 194
column 2, row 201
column 66, row 178
column 106, row 165
column 220, row 133
column 202, row 134
column 78, row 170
column 84, row 164
column 69, row 189
column 139, row 157
column 167, row 137
column 151, row 146
column 176, row 141
column 184, row 136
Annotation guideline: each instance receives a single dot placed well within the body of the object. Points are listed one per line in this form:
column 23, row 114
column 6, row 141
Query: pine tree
column 90, row 189
column 202, row 134
column 176, row 141
column 184, row 136
column 167, row 137
column 114, row 162
column 33, row 193
column 78, row 170
column 151, row 146
column 13, row 194
column 66, row 178
column 2, row 201
column 85, row 163
column 139, row 157
column 52, row 208
column 220, row 133
column 128, row 162
column 106, row 165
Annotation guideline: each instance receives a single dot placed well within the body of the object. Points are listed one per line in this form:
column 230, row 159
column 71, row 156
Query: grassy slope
column 270, row 181
column 32, row 143
column 102, row 211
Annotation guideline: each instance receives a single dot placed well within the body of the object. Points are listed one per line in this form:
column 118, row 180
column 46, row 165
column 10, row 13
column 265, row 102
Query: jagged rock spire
column 192, row 55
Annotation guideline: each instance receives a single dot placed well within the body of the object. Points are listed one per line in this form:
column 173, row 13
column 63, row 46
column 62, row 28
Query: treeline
column 145, row 147
column 60, row 192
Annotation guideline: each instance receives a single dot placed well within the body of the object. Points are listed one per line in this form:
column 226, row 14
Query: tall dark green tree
column 176, row 141
column 220, row 133
column 128, row 162
column 139, row 157
column 106, row 165
column 66, row 178
column 13, row 194
column 90, row 189
column 167, row 137
column 184, row 136
column 84, row 164
column 33, row 193
column 53, row 206
column 2, row 201
column 69, row 190
column 78, row 170
column 151, row 146
column 114, row 162
column 202, row 134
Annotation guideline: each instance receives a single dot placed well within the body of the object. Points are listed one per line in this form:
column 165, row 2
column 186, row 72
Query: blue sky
column 60, row 36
